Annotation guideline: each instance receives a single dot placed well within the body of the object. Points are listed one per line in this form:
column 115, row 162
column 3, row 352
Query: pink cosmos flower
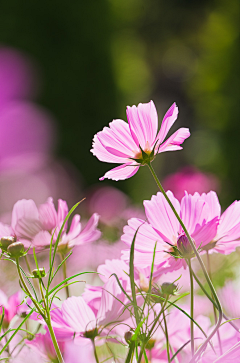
column 136, row 143
column 78, row 319
column 163, row 227
column 33, row 225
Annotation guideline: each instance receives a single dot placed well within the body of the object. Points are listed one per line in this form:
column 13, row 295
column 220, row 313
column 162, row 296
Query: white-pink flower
column 34, row 226
column 136, row 143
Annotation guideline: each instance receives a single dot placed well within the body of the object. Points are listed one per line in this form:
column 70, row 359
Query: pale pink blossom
column 126, row 144
column 230, row 296
column 228, row 232
column 42, row 344
column 34, row 225
column 78, row 316
column 162, row 226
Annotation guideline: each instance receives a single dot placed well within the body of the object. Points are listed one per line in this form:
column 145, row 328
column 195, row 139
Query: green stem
column 46, row 318
column 95, row 351
column 27, row 290
column 192, row 306
column 53, row 337
column 167, row 338
column 219, row 307
column 214, row 308
column 65, row 275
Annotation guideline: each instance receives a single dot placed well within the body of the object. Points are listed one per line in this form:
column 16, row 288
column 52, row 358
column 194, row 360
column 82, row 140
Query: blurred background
column 68, row 69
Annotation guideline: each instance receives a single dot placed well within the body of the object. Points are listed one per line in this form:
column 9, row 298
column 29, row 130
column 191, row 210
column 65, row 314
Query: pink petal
column 174, row 141
column 205, row 233
column 92, row 295
column 5, row 230
column 121, row 172
column 119, row 267
column 115, row 143
column 62, row 212
column 78, row 315
column 213, row 204
column 194, row 211
column 25, row 219
column 229, row 226
column 143, row 260
column 42, row 240
column 103, row 154
column 48, row 215
column 143, row 123
column 161, row 216
column 168, row 120
column 146, row 236
column 89, row 234
column 111, row 308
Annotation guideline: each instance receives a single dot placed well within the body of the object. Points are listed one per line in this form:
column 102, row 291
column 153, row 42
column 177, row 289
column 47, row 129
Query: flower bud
column 39, row 273
column 168, row 288
column 184, row 247
column 16, row 249
column 128, row 336
column 7, row 241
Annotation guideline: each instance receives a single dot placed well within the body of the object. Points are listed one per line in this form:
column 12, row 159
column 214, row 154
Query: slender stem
column 192, row 306
column 95, row 351
column 46, row 318
column 53, row 337
column 28, row 265
column 157, row 318
column 27, row 290
column 167, row 338
column 214, row 308
column 203, row 346
column 65, row 275
column 30, row 271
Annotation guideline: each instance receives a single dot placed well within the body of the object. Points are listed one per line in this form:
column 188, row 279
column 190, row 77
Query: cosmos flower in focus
column 137, row 143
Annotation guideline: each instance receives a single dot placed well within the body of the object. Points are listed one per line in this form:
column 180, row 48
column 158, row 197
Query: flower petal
column 121, row 172
column 114, row 143
column 173, row 142
column 78, row 315
column 143, row 123
column 161, row 216
column 89, row 234
column 48, row 215
column 25, row 219
column 167, row 122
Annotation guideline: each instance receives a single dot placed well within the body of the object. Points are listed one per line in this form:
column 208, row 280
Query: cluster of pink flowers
column 110, row 320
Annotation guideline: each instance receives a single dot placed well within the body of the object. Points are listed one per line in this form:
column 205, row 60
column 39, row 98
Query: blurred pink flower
column 17, row 76
column 12, row 305
column 190, row 180
column 130, row 144
column 34, row 226
column 163, row 227
column 77, row 319
column 42, row 344
column 109, row 203
column 230, row 297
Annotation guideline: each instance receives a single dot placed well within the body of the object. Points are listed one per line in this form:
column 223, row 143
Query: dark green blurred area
column 98, row 56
